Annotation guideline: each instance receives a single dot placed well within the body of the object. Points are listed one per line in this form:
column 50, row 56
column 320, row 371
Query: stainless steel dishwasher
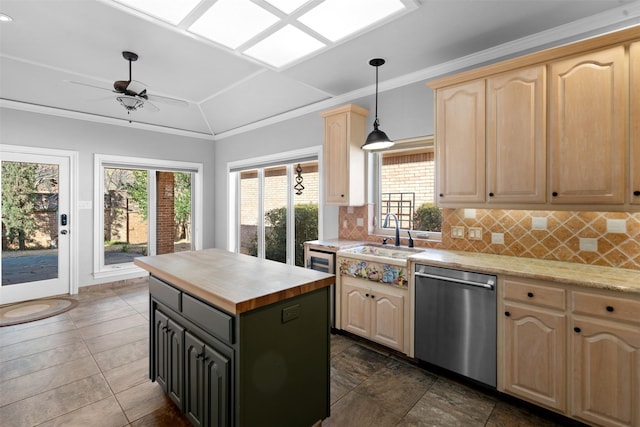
column 455, row 321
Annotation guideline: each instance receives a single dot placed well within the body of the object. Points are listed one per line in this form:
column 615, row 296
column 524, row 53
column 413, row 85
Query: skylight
column 279, row 35
column 284, row 46
column 168, row 10
column 233, row 22
column 336, row 19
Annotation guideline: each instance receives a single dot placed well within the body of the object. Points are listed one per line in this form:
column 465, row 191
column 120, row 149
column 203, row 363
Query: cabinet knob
column 441, row 195
column 490, row 194
column 530, row 294
column 373, row 296
column 636, row 193
column 609, row 308
column 577, row 330
column 342, row 195
column 506, row 313
column 366, row 295
column 554, row 194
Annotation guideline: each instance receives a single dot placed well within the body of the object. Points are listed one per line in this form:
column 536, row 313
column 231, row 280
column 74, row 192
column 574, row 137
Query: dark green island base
column 266, row 366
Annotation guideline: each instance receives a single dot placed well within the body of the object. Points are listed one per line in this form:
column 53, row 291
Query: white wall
column 403, row 112
column 88, row 138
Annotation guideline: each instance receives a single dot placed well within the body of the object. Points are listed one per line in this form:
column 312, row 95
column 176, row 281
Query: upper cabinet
column 634, row 132
column 516, row 142
column 344, row 160
column 556, row 129
column 587, row 115
column 460, row 142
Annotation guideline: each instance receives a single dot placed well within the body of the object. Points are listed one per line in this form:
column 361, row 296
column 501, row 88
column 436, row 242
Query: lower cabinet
column 374, row 311
column 169, row 354
column 207, row 386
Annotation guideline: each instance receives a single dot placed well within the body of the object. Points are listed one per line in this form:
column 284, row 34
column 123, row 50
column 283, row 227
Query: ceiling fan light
column 130, row 103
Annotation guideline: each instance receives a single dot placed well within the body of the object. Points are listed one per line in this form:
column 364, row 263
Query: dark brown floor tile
column 508, row 415
column 122, row 355
column 53, row 403
column 142, row 400
column 467, row 400
column 128, row 375
column 46, row 359
column 167, row 416
column 111, row 326
column 38, row 345
column 339, row 343
column 118, row 339
column 355, row 410
column 104, row 413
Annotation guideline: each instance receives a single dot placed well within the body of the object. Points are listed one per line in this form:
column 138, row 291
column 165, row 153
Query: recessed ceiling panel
column 284, row 46
column 287, row 6
column 233, row 22
column 171, row 11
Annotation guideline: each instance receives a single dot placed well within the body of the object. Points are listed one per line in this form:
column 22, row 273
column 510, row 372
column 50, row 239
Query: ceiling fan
column 132, row 94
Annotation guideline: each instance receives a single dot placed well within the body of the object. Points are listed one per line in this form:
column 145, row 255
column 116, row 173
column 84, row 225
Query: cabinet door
column 356, row 310
column 460, row 143
column 194, row 381
column 587, row 128
column 634, row 92
column 606, row 372
column 516, row 136
column 175, row 352
column 336, row 159
column 217, row 389
column 160, row 348
column 535, row 355
column 387, row 324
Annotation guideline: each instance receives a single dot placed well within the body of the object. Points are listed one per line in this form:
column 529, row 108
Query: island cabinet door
column 175, row 353
column 160, row 348
column 208, row 389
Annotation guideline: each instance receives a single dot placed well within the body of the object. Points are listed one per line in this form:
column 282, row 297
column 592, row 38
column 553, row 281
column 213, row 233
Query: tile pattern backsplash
column 600, row 238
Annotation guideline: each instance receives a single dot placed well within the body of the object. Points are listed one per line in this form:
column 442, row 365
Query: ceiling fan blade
column 168, row 100
column 136, row 87
column 89, row 85
column 149, row 106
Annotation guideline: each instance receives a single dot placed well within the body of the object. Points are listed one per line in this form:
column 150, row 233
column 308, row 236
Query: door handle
column 63, row 231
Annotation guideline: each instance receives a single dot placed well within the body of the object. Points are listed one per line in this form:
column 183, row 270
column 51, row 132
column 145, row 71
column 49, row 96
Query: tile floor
column 88, row 367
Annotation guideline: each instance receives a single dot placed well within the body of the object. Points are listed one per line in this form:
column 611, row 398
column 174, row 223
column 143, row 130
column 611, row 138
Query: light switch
column 457, row 232
column 475, row 233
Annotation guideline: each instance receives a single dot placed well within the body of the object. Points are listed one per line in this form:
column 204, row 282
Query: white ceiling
column 52, row 42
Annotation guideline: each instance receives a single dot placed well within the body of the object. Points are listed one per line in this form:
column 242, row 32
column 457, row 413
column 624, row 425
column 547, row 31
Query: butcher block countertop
column 609, row 278
column 233, row 282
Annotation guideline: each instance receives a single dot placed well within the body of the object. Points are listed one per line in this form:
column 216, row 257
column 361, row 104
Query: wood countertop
column 233, row 282
column 592, row 276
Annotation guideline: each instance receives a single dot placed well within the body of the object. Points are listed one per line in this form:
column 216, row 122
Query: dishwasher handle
column 489, row 285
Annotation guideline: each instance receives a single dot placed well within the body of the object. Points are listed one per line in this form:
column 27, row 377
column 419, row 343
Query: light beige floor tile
column 53, row 403
column 19, row 336
column 122, row 355
column 26, row 348
column 129, row 375
column 111, row 326
column 46, row 359
column 104, row 316
column 104, row 413
column 118, row 339
column 47, row 379
column 142, row 400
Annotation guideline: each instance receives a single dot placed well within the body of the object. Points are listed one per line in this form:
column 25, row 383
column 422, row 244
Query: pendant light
column 377, row 139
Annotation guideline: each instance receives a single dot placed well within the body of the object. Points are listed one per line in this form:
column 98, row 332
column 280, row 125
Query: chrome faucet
column 385, row 224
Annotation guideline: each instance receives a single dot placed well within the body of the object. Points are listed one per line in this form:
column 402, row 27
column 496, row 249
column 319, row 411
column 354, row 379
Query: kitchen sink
column 396, row 252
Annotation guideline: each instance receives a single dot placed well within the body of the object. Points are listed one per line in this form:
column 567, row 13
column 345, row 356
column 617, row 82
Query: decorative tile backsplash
column 600, row 238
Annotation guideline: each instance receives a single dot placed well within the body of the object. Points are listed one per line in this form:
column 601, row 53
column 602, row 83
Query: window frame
column 407, row 144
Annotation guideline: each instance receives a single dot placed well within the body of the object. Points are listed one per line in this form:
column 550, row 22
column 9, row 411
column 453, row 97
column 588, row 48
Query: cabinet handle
column 506, row 313
column 636, row 193
column 609, row 308
column 554, row 194
column 490, row 194
column 577, row 330
column 530, row 294
column 165, row 328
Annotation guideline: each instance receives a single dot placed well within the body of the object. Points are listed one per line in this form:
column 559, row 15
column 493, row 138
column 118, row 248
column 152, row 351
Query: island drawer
column 606, row 306
column 168, row 295
column 530, row 293
column 213, row 321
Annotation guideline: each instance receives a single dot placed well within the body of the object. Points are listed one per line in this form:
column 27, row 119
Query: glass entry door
column 35, row 226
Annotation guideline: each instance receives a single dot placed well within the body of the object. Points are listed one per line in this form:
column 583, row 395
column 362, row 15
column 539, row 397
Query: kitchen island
column 237, row 340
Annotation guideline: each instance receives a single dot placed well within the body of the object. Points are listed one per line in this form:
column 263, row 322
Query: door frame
column 72, row 157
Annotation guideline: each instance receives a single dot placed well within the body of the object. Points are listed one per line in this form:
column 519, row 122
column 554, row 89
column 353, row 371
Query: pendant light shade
column 377, row 139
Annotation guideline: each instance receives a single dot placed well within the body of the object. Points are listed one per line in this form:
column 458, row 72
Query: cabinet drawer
column 168, row 295
column 544, row 296
column 606, row 306
column 213, row 321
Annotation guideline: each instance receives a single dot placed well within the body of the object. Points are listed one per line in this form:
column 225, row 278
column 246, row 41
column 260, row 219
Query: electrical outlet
column 475, row 233
column 538, row 223
column 616, row 226
column 457, row 232
column 497, row 238
column 588, row 244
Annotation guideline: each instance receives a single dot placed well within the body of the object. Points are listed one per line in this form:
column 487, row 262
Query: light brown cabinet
column 587, row 117
column 373, row 311
column 460, row 143
column 516, row 136
column 534, row 343
column 344, row 160
column 605, row 347
column 634, row 91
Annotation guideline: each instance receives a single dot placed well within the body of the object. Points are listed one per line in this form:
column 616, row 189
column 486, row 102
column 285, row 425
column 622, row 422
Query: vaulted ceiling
column 52, row 43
